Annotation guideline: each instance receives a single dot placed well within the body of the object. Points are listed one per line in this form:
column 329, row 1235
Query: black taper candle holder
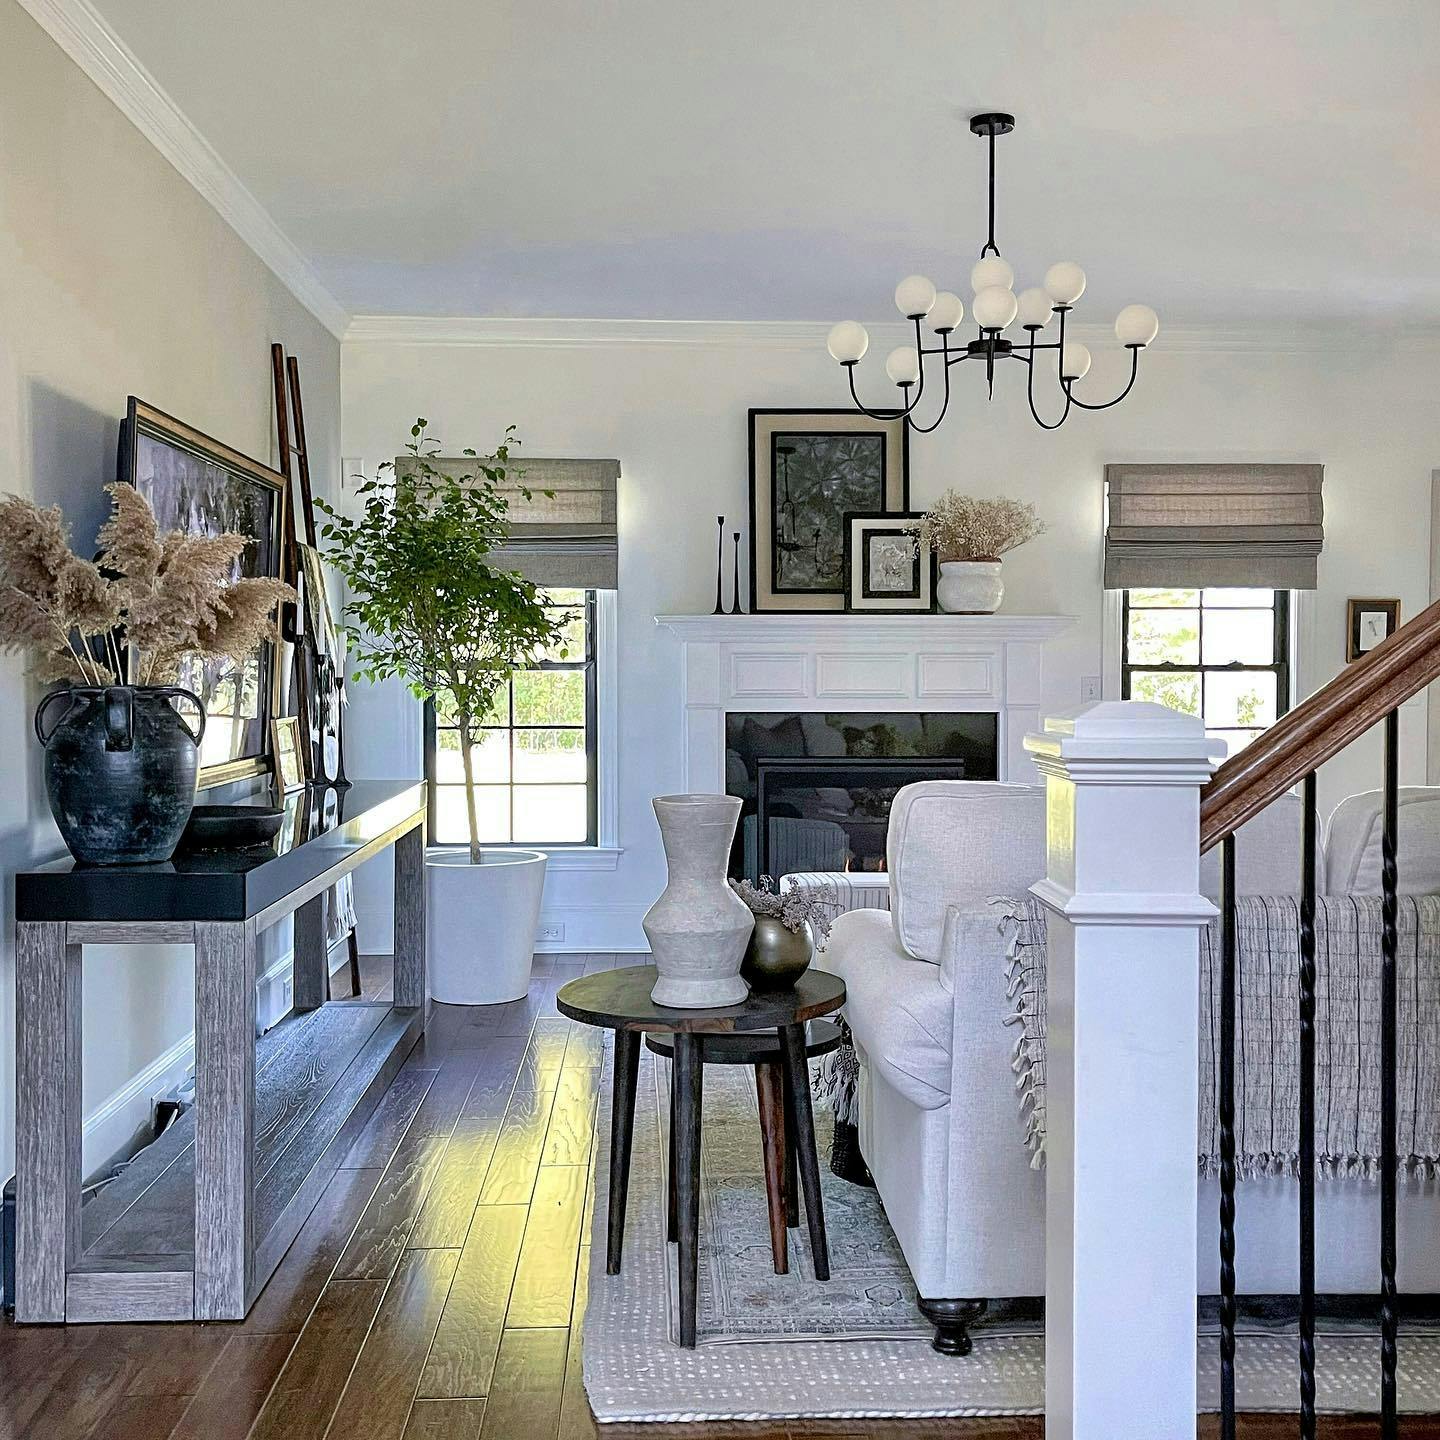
column 719, row 566
column 737, row 610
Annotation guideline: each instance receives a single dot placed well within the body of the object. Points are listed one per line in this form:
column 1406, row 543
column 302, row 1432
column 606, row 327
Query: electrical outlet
column 1089, row 689
column 550, row 932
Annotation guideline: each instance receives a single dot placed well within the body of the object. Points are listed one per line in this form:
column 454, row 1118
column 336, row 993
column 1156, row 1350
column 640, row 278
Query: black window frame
column 587, row 664
column 1280, row 667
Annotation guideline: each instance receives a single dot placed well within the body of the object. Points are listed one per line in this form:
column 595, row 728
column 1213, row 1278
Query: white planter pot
column 480, row 924
column 970, row 587
column 699, row 927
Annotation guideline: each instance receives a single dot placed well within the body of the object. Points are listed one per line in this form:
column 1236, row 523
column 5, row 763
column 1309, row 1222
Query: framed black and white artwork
column 204, row 487
column 808, row 470
column 888, row 569
column 1367, row 623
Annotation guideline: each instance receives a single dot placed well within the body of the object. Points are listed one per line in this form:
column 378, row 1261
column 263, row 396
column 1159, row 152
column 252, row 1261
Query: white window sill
column 563, row 857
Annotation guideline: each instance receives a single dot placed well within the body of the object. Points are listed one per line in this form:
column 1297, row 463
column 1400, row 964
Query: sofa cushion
column 1353, row 835
column 897, row 1009
column 1267, row 853
column 955, row 840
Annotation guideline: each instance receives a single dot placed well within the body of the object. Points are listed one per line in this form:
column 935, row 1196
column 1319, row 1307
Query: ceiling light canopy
column 994, row 308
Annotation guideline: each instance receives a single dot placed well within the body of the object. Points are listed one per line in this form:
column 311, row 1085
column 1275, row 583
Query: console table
column 196, row 1226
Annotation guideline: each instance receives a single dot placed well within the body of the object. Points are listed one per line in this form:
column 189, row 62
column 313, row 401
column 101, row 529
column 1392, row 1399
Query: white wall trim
column 88, row 40
column 607, row 720
column 804, row 335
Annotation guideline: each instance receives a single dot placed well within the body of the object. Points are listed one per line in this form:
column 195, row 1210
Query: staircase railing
column 1367, row 692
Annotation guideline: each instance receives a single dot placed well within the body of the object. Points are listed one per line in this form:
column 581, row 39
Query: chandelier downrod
column 994, row 308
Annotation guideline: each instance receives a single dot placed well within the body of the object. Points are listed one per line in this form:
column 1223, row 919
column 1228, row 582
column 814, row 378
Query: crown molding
column 88, row 40
column 803, row 335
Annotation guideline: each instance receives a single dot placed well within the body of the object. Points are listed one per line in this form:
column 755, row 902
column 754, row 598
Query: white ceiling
column 791, row 159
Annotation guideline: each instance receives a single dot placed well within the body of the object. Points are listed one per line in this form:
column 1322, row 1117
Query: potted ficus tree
column 428, row 605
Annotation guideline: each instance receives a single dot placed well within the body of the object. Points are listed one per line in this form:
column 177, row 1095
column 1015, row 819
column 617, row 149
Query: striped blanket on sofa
column 1267, row 1032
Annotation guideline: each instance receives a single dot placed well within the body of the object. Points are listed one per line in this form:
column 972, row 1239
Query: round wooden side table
column 619, row 1000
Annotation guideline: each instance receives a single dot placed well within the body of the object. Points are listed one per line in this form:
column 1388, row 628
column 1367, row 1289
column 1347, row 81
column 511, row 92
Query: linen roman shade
column 567, row 541
column 1174, row 526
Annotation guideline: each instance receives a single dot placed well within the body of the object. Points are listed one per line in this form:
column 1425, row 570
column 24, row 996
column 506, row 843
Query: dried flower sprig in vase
column 121, row 762
column 968, row 535
column 789, row 927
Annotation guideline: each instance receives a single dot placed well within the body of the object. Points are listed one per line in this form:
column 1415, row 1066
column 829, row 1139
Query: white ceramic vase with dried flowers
column 968, row 537
column 112, row 635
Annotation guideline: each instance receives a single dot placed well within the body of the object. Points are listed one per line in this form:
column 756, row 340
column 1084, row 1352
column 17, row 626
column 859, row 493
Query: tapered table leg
column 48, row 1115
column 622, row 1128
column 224, row 1118
column 689, row 1078
column 770, row 1090
column 792, row 1173
column 671, row 1225
column 797, row 1077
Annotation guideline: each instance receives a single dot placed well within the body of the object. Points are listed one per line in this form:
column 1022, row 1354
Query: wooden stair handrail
column 1321, row 726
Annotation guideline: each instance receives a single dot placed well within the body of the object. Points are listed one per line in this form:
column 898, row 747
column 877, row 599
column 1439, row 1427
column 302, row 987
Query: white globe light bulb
column 1065, row 282
column 946, row 313
column 914, row 296
column 902, row 365
column 1074, row 361
column 1136, row 325
column 847, row 342
column 1035, row 308
column 992, row 271
column 994, row 308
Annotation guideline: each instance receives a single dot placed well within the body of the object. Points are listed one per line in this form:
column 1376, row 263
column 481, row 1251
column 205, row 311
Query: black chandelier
column 994, row 308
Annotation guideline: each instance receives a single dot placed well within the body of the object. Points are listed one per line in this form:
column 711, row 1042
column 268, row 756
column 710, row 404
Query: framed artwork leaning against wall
column 808, row 469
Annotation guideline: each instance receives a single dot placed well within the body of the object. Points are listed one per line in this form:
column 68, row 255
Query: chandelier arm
column 945, row 403
column 1105, row 405
column 914, row 400
column 1030, row 396
column 874, row 414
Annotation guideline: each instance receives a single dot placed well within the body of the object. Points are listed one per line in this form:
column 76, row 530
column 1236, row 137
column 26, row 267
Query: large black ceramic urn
column 121, row 765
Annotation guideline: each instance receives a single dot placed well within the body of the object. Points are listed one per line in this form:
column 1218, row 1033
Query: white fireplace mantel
column 795, row 662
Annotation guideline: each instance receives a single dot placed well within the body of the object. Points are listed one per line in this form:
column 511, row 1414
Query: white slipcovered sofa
column 939, row 1121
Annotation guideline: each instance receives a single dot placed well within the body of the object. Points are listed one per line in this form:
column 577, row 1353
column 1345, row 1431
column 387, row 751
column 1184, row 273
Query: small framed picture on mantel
column 888, row 569
column 1367, row 623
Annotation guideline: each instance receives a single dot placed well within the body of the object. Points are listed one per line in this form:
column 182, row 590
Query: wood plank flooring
column 436, row 1290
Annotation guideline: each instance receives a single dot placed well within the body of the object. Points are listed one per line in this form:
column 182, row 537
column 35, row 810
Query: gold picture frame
column 289, row 753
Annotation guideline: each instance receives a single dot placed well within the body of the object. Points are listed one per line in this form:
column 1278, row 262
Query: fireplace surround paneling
column 798, row 663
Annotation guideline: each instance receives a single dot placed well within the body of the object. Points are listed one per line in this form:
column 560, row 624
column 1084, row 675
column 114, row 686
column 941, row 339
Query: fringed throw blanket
column 1267, row 1032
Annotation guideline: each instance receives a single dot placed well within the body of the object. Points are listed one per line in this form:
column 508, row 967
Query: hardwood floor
column 436, row 1290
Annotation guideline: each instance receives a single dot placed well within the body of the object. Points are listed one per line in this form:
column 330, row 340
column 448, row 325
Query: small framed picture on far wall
column 1367, row 623
column 888, row 569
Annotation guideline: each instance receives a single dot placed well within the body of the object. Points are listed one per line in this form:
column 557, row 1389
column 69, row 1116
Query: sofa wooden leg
column 952, row 1320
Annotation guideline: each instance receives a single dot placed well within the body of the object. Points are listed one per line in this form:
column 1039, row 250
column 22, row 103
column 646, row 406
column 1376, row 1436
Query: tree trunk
column 469, row 765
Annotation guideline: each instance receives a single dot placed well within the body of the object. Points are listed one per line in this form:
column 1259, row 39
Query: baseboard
column 108, row 1132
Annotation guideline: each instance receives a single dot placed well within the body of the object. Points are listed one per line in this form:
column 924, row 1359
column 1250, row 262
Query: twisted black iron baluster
column 1307, row 1115
column 1389, row 910
column 1227, row 1140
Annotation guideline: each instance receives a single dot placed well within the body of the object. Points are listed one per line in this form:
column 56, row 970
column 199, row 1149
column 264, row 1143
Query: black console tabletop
column 323, row 827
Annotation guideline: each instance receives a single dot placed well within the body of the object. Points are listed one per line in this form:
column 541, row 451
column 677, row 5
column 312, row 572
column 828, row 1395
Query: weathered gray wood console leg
column 410, row 919
column 48, row 1119
column 224, row 1111
column 312, row 958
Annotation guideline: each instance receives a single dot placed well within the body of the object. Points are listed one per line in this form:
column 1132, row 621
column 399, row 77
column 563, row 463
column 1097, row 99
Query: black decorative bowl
column 231, row 827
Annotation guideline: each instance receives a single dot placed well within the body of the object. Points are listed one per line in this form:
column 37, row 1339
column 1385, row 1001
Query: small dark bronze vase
column 120, row 767
column 776, row 957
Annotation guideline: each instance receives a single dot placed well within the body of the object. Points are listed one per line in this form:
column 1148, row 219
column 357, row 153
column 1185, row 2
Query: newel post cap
column 1126, row 742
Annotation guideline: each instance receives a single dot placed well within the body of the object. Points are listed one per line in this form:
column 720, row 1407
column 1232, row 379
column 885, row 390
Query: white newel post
column 1122, row 892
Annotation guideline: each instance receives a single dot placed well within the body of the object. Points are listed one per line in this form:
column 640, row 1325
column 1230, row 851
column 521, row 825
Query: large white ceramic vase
column 699, row 927
column 480, row 936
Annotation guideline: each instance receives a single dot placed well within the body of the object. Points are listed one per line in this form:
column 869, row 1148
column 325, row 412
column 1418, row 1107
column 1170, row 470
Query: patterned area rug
column 788, row 1346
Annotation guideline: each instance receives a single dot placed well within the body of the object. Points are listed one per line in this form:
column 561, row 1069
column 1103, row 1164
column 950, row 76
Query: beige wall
column 116, row 278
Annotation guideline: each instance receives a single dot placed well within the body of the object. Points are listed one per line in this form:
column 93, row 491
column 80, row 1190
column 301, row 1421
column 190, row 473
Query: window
column 534, row 759
column 1221, row 654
